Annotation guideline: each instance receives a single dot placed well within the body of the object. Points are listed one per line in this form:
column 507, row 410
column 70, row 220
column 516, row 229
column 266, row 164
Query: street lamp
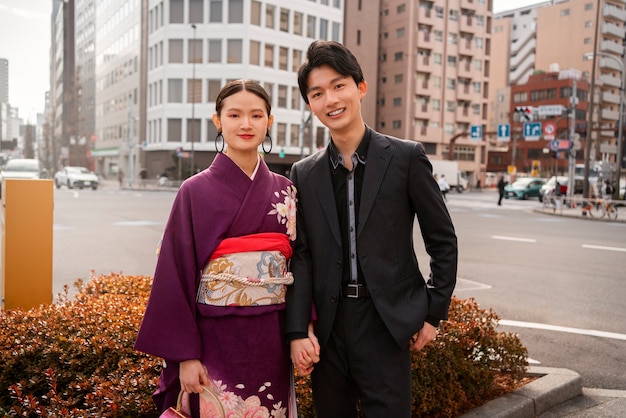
column 193, row 98
column 618, row 157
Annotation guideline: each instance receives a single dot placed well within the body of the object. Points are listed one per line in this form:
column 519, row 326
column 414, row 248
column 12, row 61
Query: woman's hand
column 193, row 375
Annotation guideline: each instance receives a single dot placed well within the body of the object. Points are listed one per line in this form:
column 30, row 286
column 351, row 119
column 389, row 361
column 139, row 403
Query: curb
column 576, row 216
column 554, row 387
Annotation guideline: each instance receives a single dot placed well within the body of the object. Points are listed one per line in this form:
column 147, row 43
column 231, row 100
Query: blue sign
column 476, row 132
column 504, row 132
column 532, row 131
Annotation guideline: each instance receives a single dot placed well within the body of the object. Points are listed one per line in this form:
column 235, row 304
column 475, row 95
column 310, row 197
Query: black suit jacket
column 398, row 186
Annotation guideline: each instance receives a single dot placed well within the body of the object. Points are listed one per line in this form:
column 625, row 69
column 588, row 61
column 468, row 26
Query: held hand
column 315, row 355
column 423, row 337
column 192, row 376
column 300, row 356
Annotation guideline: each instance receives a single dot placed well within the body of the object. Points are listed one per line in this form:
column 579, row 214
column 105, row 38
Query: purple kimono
column 242, row 346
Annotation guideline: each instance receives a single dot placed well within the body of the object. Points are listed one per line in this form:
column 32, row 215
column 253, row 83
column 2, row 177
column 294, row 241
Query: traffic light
column 525, row 112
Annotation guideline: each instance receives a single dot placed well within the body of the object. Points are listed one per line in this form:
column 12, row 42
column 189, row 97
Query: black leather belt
column 355, row 291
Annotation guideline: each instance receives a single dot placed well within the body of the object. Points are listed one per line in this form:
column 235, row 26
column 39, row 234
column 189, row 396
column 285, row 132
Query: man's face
column 335, row 99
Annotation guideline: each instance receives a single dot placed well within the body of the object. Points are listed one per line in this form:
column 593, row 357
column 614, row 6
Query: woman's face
column 244, row 121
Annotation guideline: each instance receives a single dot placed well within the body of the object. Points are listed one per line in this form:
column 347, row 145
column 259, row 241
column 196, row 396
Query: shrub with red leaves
column 75, row 358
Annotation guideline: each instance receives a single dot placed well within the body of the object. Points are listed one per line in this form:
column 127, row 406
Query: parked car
column 22, row 168
column 76, row 177
column 549, row 186
column 524, row 187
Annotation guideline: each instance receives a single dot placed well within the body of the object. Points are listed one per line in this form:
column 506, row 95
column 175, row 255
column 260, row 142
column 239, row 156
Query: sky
column 25, row 42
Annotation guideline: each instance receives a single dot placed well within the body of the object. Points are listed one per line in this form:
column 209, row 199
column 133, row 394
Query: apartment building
column 563, row 33
column 432, row 71
column 545, row 90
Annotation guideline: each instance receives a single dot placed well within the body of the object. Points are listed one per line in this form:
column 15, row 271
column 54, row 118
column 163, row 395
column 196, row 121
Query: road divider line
column 513, row 238
column 588, row 332
column 602, row 247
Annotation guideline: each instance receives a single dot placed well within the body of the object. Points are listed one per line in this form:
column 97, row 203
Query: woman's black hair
column 330, row 53
column 236, row 86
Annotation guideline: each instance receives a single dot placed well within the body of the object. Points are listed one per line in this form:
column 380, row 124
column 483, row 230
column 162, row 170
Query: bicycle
column 608, row 208
column 593, row 207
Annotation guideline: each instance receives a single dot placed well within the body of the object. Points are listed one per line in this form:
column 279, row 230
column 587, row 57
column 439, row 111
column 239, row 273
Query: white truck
column 456, row 178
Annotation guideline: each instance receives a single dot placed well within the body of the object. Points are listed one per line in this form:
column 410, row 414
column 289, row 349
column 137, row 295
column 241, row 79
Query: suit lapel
column 320, row 176
column 378, row 158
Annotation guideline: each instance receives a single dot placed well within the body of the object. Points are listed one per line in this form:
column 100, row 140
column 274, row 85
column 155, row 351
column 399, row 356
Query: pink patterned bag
column 210, row 406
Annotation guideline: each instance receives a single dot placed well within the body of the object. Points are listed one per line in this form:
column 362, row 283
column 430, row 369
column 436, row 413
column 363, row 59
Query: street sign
column 476, row 132
column 504, row 132
column 549, row 130
column 560, row 145
column 532, row 131
column 550, row 110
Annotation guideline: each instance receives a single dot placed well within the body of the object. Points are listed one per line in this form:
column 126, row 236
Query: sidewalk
column 577, row 212
column 556, row 393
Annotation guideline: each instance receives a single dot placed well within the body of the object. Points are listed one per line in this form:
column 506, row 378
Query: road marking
column 513, row 238
column 602, row 247
column 464, row 284
column 589, row 332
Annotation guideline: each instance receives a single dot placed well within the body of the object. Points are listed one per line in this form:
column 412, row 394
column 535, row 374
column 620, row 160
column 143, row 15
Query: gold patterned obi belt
column 250, row 270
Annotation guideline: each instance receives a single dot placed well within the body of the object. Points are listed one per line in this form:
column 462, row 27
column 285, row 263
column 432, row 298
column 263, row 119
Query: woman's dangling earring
column 219, row 142
column 267, row 137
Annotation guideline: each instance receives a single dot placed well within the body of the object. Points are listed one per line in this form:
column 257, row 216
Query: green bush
column 75, row 358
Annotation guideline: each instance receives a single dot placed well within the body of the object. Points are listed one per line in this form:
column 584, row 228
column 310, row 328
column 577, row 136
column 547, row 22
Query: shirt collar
column 336, row 159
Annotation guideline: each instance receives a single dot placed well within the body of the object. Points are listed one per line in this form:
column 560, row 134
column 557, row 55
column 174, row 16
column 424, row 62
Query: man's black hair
column 330, row 53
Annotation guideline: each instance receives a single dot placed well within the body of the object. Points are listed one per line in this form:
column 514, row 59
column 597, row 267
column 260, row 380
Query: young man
column 354, row 259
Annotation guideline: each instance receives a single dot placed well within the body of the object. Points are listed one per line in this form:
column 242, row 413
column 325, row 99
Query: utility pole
column 573, row 100
column 193, row 100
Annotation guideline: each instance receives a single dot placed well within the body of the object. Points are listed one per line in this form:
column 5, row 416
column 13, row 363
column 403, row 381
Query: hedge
column 75, row 358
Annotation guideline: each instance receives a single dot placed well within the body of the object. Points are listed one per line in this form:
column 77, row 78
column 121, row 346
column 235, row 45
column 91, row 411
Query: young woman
column 215, row 313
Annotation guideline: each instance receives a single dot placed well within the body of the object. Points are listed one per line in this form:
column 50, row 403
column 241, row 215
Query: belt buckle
column 356, row 287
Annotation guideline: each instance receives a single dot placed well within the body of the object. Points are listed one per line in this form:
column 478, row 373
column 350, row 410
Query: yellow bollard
column 26, row 256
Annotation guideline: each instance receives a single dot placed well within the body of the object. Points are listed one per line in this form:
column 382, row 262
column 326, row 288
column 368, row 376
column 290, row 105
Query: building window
column 336, row 28
column 194, row 91
column 479, row 42
column 255, row 53
column 213, row 89
column 177, row 14
column 281, row 134
column 400, row 33
column 435, row 104
column 297, row 23
column 193, row 129
column 235, row 51
column 215, row 50
column 196, row 11
column 450, row 106
column 587, row 41
column 296, row 60
column 255, row 13
column 454, row 15
column 310, row 26
column 194, row 52
column 269, row 16
column 588, row 6
column 235, row 11
column 438, row 36
column 174, row 127
column 453, row 38
column 282, row 96
column 396, row 124
column 401, row 8
column 174, row 90
column 450, row 83
column 323, row 29
column 398, row 78
column 215, row 11
column 451, row 61
column 476, row 85
column 397, row 101
column 295, row 98
column 448, row 128
column 284, row 20
column 564, row 12
column 398, row 56
column 175, row 51
column 437, row 58
column 211, row 130
column 283, row 57
column 269, row 55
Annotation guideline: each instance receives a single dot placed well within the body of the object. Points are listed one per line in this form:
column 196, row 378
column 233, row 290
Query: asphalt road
column 559, row 283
